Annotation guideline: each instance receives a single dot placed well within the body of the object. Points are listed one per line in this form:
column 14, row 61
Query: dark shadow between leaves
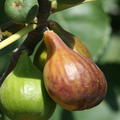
column 112, row 73
column 111, row 99
column 66, row 115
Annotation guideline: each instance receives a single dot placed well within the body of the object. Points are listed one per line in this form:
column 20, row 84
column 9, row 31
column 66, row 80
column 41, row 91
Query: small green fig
column 73, row 81
column 21, row 11
column 40, row 57
column 70, row 40
column 23, row 95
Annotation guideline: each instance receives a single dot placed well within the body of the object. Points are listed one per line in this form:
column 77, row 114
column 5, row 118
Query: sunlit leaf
column 89, row 23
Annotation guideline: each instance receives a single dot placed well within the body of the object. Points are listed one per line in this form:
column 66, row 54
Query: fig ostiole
column 73, row 81
column 23, row 95
column 21, row 11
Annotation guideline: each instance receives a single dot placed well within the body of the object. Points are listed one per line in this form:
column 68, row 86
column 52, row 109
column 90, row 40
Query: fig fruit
column 73, row 81
column 21, row 11
column 40, row 57
column 23, row 95
column 70, row 40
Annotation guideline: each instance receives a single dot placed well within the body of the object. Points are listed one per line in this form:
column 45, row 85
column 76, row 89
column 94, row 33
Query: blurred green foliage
column 97, row 24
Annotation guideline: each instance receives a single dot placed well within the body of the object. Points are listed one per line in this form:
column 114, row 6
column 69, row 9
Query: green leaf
column 89, row 23
column 6, row 53
column 3, row 17
column 4, row 61
column 112, row 54
column 100, row 112
column 111, row 6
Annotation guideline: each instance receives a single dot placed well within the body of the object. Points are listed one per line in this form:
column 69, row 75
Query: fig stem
column 17, row 35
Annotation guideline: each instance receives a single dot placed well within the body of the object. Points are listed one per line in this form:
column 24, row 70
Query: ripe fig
column 23, row 95
column 21, row 11
column 73, row 81
column 58, row 5
column 71, row 40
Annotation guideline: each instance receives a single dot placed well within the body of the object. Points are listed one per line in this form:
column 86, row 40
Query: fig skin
column 70, row 40
column 21, row 11
column 23, row 95
column 73, row 81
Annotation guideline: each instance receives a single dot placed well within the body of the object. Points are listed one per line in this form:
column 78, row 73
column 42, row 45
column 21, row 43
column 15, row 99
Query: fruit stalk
column 17, row 35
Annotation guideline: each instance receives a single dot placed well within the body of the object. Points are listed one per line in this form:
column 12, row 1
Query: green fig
column 72, row 80
column 58, row 5
column 21, row 11
column 23, row 95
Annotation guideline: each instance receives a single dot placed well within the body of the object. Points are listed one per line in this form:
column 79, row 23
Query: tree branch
column 44, row 11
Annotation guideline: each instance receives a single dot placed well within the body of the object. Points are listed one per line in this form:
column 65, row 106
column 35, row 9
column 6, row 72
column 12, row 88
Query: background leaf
column 101, row 112
column 89, row 23
column 112, row 53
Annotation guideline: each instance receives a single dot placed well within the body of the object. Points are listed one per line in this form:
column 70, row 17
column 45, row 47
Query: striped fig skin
column 70, row 39
column 72, row 81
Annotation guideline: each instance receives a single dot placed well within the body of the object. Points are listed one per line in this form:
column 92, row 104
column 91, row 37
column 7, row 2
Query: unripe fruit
column 73, row 81
column 40, row 57
column 21, row 11
column 22, row 94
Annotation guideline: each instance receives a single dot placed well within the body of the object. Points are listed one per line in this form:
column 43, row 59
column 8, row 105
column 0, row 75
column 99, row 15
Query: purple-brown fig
column 73, row 81
column 70, row 40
